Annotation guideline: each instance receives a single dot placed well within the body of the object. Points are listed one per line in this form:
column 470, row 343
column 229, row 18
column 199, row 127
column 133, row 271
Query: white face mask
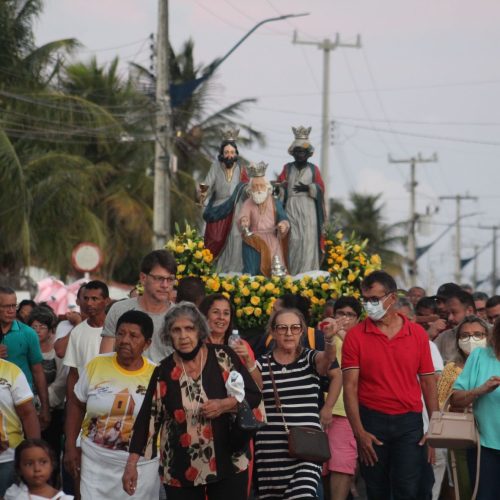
column 375, row 312
column 472, row 344
column 259, row 197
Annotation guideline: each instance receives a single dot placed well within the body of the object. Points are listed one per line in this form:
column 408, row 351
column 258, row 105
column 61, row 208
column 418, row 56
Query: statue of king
column 302, row 190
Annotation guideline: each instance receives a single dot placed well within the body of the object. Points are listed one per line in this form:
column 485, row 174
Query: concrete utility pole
column 412, row 236
column 458, row 243
column 494, row 257
column 475, row 269
column 326, row 46
column 161, row 207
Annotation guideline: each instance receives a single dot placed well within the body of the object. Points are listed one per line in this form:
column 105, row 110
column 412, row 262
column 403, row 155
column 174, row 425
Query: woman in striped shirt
column 296, row 372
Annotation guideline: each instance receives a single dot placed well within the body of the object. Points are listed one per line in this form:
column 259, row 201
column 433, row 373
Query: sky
column 426, row 80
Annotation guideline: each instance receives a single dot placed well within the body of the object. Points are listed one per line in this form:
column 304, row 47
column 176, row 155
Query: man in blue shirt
column 19, row 344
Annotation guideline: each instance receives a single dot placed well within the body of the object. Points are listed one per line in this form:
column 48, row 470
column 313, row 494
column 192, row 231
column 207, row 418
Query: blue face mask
column 375, row 312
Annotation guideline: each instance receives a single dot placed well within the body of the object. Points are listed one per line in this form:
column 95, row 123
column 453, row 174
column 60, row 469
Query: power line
column 327, row 46
column 387, row 89
column 412, row 240
column 424, row 136
column 458, row 243
column 104, row 49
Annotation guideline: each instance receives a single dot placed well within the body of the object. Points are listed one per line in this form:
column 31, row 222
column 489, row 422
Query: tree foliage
column 77, row 150
column 364, row 216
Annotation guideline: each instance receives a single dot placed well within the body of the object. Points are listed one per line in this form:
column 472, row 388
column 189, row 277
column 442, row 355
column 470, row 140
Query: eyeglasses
column 8, row 306
column 162, row 279
column 342, row 314
column 284, row 329
column 374, row 301
column 39, row 327
column 475, row 336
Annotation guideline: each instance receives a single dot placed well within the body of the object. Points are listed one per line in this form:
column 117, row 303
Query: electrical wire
column 388, row 89
column 104, row 49
column 423, row 136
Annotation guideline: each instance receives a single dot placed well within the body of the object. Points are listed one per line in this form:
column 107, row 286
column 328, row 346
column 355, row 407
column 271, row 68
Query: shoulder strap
column 277, row 400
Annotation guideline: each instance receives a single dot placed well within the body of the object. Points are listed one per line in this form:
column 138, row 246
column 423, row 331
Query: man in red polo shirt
column 387, row 365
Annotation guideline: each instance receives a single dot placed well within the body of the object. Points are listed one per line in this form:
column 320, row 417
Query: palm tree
column 76, row 152
column 365, row 219
column 124, row 202
column 21, row 63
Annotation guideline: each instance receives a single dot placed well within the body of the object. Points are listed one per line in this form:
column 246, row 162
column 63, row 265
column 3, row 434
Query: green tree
column 365, row 217
column 76, row 151
column 22, row 64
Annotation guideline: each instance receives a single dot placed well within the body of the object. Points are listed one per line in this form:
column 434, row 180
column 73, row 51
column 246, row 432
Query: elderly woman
column 188, row 404
column 104, row 407
column 478, row 385
column 296, row 371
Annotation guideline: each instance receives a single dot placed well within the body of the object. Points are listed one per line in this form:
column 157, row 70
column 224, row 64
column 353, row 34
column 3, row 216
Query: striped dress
column 278, row 476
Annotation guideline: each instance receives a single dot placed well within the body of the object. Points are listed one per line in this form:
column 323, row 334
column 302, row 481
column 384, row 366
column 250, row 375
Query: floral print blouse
column 193, row 450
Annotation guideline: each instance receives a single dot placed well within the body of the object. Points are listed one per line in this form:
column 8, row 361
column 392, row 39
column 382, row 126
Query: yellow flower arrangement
column 193, row 259
column 346, row 261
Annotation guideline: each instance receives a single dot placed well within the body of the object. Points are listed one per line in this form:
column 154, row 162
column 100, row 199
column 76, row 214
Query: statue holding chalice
column 222, row 193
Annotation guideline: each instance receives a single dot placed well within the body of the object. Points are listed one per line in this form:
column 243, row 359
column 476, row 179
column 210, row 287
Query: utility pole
column 412, row 234
column 494, row 257
column 326, row 46
column 161, row 207
column 458, row 238
column 474, row 272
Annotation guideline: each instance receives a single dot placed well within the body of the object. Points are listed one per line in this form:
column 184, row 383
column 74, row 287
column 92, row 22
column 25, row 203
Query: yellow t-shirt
column 113, row 397
column 14, row 391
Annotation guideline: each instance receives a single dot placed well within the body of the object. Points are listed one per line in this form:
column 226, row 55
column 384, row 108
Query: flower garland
column 346, row 261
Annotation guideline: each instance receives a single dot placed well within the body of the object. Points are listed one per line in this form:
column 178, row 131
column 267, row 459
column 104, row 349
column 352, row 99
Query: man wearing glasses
column 19, row 344
column 387, row 365
column 157, row 276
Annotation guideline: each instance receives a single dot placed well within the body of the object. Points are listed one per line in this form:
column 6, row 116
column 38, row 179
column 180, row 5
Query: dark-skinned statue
column 302, row 190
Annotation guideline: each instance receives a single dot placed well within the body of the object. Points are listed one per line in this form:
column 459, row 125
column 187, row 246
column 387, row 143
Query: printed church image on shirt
column 114, row 429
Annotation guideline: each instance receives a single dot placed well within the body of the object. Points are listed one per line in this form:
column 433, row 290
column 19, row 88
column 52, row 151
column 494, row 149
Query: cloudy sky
column 426, row 80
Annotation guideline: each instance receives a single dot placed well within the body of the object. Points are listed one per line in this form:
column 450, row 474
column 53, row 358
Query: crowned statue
column 302, row 191
column 264, row 225
column 223, row 192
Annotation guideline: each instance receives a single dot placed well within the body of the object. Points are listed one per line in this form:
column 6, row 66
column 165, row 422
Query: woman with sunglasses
column 296, row 371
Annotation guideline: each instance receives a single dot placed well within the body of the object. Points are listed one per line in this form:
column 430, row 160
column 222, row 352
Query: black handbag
column 245, row 419
column 305, row 443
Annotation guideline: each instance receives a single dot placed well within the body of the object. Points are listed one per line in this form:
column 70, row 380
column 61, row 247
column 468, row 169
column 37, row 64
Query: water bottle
column 234, row 338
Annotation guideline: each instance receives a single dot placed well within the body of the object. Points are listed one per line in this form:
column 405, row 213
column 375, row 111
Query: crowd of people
column 143, row 397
